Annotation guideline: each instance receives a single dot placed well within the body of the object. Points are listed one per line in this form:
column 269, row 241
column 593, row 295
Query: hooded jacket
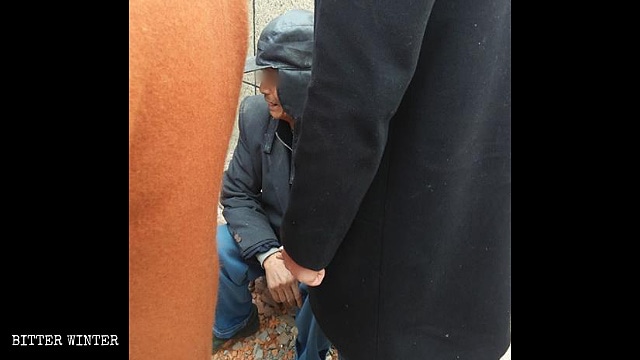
column 255, row 188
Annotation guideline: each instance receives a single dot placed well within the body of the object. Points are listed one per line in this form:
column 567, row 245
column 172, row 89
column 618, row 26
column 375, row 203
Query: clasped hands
column 304, row 275
column 281, row 272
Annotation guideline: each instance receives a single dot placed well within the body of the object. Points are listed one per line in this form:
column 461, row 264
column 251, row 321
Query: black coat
column 402, row 187
column 255, row 187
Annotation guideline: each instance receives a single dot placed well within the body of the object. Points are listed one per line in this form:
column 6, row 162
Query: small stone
column 237, row 346
column 263, row 335
column 289, row 320
column 258, row 354
column 283, row 339
column 273, row 345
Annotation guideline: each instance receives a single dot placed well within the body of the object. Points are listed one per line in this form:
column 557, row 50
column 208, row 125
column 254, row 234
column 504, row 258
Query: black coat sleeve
column 364, row 58
column 242, row 183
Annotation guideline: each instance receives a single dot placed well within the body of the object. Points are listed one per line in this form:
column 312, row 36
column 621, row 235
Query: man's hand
column 281, row 283
column 304, row 275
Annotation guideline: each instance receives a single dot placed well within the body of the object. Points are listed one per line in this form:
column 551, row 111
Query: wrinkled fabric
column 255, row 186
column 402, row 187
column 292, row 91
column 179, row 131
column 285, row 43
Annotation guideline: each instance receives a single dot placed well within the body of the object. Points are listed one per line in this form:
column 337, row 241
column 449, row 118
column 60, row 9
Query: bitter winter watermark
column 71, row 340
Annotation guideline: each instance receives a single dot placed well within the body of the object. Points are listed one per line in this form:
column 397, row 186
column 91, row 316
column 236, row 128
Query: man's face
column 269, row 88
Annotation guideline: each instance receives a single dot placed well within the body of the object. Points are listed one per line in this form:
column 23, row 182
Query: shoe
column 253, row 325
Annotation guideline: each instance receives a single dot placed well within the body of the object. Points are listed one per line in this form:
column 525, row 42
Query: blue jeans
column 234, row 301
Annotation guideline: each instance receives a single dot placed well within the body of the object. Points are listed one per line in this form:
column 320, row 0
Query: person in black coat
column 255, row 188
column 400, row 208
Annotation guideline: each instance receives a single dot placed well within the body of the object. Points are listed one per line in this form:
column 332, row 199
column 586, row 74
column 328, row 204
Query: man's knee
column 232, row 264
column 227, row 247
column 224, row 241
column 229, row 253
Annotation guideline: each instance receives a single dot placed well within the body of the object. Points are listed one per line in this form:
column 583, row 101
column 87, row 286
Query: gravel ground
column 275, row 340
